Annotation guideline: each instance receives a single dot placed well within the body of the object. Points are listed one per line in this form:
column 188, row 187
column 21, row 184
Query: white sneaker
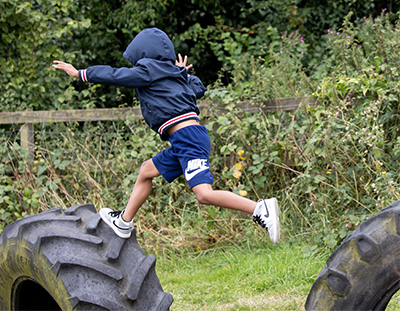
column 266, row 214
column 114, row 219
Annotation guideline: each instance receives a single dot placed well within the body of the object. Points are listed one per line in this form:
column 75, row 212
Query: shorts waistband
column 183, row 117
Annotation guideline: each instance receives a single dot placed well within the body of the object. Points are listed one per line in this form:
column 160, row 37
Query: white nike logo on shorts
column 194, row 167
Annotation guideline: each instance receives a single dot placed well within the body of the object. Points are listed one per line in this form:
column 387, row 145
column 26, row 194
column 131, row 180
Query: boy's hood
column 150, row 43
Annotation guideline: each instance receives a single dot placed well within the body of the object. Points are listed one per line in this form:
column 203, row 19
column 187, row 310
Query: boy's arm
column 197, row 86
column 195, row 83
column 129, row 77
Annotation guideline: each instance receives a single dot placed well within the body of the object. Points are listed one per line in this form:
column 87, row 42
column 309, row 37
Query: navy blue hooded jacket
column 166, row 92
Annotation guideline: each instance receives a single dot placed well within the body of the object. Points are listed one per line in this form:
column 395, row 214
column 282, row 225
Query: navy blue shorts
column 188, row 155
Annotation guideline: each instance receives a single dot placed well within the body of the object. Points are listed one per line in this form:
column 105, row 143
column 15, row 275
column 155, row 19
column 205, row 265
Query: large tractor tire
column 363, row 273
column 71, row 260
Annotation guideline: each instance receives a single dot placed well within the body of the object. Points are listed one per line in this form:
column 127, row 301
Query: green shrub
column 331, row 166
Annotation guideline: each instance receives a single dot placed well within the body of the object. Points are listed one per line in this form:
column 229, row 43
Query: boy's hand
column 182, row 63
column 68, row 68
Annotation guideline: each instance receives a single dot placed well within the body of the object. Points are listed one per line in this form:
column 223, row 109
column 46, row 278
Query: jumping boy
column 167, row 95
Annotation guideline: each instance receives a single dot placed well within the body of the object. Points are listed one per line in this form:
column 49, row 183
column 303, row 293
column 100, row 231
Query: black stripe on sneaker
column 120, row 227
column 266, row 208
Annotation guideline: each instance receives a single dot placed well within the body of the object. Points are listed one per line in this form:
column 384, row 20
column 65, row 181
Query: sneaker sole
column 103, row 215
column 277, row 226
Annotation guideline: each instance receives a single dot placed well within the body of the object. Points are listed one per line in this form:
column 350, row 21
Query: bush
column 331, row 166
column 343, row 158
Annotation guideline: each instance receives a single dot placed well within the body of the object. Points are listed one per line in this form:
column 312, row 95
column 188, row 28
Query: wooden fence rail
column 29, row 118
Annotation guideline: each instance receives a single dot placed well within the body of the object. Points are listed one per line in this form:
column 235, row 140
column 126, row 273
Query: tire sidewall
column 19, row 261
column 364, row 271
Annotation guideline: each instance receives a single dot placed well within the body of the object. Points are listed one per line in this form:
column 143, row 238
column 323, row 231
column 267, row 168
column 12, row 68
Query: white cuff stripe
column 83, row 75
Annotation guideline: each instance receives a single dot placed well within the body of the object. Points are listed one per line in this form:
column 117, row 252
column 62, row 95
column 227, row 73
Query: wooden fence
column 29, row 118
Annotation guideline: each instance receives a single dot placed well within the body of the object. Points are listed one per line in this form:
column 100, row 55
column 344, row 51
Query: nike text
column 194, row 167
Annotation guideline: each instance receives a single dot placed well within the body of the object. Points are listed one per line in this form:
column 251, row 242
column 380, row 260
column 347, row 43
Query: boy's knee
column 147, row 170
column 202, row 197
column 144, row 165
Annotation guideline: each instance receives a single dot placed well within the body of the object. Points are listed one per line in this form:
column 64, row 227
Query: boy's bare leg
column 206, row 195
column 141, row 189
column 264, row 212
column 121, row 222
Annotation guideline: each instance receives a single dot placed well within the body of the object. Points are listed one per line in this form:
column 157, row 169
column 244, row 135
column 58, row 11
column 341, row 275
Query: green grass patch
column 264, row 277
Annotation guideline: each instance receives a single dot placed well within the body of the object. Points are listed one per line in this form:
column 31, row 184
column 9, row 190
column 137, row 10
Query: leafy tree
column 32, row 34
column 220, row 37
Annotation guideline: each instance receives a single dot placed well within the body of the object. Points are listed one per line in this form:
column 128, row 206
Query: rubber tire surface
column 81, row 263
column 363, row 273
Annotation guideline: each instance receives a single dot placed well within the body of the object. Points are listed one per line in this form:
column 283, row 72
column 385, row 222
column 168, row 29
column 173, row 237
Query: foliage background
column 217, row 35
column 330, row 166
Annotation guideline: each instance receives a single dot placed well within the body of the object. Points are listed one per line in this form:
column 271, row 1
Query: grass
column 263, row 277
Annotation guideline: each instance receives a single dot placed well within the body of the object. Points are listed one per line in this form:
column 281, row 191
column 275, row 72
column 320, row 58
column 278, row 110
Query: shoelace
column 115, row 213
column 257, row 219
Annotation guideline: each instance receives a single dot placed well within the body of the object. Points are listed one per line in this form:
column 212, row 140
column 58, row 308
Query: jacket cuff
column 82, row 75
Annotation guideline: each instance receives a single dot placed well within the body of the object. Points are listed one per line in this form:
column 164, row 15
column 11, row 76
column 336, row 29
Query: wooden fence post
column 27, row 140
